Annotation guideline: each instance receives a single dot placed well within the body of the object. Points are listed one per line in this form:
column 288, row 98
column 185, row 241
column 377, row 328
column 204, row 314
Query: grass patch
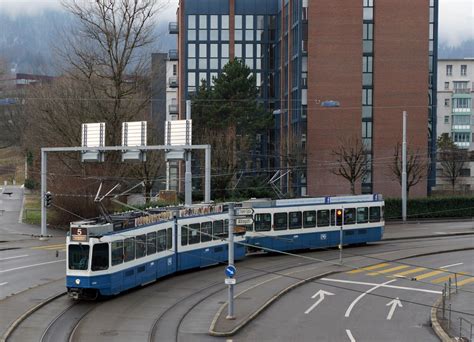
column 32, row 209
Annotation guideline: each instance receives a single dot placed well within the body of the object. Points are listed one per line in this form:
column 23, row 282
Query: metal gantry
column 187, row 148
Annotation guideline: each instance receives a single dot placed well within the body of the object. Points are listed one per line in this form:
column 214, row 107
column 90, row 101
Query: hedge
column 431, row 207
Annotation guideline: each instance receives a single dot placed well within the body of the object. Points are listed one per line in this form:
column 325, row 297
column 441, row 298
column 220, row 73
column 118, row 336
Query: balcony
column 173, row 109
column 173, row 82
column 173, row 55
column 173, row 28
column 462, row 91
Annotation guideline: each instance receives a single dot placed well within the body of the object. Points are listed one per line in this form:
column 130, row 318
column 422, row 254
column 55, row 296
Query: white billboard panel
column 93, row 134
column 178, row 132
column 134, row 133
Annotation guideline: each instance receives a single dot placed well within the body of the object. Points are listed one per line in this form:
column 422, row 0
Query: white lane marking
column 1, row 284
column 14, row 257
column 28, row 266
column 321, row 294
column 349, row 334
column 448, row 266
column 381, row 285
column 417, row 228
column 349, row 309
column 394, row 303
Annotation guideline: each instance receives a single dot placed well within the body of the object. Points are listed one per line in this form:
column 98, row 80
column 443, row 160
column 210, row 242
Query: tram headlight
column 78, row 281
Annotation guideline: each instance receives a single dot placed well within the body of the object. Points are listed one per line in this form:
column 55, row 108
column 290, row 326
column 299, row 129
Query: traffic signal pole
column 341, row 234
column 44, row 163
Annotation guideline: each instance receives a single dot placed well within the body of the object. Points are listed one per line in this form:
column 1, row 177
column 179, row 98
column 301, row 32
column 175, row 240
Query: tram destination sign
column 243, row 211
column 244, row 221
column 79, row 234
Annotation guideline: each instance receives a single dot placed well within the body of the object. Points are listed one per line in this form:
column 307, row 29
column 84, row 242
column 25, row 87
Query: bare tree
column 416, row 167
column 452, row 159
column 351, row 161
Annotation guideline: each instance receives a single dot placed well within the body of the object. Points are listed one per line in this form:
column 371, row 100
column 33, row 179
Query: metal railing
column 470, row 324
column 462, row 90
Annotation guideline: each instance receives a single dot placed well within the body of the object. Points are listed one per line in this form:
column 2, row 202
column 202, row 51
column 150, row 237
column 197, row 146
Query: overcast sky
column 456, row 22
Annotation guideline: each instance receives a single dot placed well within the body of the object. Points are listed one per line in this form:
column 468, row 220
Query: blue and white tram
column 104, row 261
column 309, row 223
column 109, row 258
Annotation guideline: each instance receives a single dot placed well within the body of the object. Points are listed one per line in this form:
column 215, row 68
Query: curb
column 427, row 236
column 25, row 315
column 270, row 301
column 436, row 326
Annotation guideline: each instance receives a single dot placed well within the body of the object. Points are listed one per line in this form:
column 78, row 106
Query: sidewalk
column 10, row 211
column 456, row 321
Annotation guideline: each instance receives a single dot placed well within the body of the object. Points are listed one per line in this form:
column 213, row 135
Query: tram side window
column 362, row 215
column 78, row 257
column 349, row 216
column 169, row 239
column 226, row 227
column 194, row 234
column 263, row 222
column 295, row 220
column 218, row 228
column 161, row 240
column 141, row 246
column 184, row 236
column 323, row 218
column 309, row 219
column 117, row 253
column 206, row 231
column 280, row 221
column 333, row 217
column 374, row 214
column 129, row 249
column 100, row 257
column 151, row 243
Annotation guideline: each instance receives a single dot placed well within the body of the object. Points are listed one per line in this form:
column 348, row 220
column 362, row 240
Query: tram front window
column 78, row 257
column 100, row 257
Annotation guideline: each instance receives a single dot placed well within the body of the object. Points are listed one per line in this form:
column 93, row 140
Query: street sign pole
column 44, row 163
column 230, row 306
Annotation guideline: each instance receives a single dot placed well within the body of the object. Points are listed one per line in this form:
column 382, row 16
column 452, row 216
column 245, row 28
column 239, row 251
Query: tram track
column 74, row 313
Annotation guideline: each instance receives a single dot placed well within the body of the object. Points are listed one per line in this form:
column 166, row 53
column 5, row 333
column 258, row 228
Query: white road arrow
column 321, row 294
column 394, row 303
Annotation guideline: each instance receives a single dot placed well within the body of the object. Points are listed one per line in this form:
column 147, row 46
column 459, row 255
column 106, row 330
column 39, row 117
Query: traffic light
column 339, row 213
column 48, row 199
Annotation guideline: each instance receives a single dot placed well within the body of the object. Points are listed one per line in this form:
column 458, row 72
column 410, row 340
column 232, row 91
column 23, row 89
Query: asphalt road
column 365, row 305
column 25, row 261
column 185, row 304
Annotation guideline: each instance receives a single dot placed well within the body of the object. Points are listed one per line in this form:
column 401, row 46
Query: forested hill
column 26, row 40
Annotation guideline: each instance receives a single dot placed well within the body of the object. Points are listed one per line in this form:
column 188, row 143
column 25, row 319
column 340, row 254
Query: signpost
column 244, row 221
column 230, row 269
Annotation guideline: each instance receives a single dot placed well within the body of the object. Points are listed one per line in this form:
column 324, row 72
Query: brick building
column 375, row 58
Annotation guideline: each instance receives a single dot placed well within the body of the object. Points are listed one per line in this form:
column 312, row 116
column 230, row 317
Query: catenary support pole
column 44, row 165
column 341, row 233
column 230, row 306
column 404, row 168
column 188, row 200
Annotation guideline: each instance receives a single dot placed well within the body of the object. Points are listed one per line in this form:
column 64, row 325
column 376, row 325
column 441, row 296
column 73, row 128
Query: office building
column 374, row 58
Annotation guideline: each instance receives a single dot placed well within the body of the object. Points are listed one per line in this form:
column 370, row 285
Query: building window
column 446, row 119
column 214, row 22
column 462, row 137
column 446, row 85
column 463, row 70
column 446, row 102
column 367, row 97
column 174, row 69
column 191, row 21
column 449, row 70
column 461, row 103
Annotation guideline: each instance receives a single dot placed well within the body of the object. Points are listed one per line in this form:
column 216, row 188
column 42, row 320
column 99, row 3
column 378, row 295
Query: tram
column 105, row 258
